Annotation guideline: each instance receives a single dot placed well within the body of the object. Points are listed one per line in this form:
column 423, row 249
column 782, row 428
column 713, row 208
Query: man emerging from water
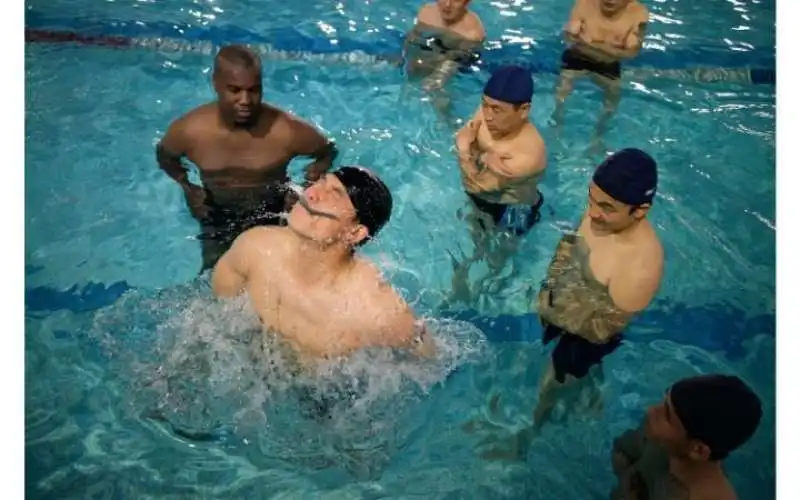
column 306, row 281
column 602, row 276
column 242, row 148
column 678, row 450
column 446, row 37
column 600, row 34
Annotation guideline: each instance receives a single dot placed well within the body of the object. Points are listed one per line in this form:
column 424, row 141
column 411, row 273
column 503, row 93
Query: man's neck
column 612, row 16
column 318, row 262
column 511, row 134
column 229, row 123
column 631, row 233
column 458, row 19
column 693, row 473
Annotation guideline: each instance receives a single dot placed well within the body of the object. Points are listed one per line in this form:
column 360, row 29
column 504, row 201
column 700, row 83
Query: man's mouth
column 316, row 213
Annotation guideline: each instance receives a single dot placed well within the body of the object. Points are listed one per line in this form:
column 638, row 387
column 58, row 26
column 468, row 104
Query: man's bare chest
column 316, row 319
column 247, row 155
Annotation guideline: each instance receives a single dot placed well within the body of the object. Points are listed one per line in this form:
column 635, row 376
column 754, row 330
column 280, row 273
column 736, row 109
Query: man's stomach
column 592, row 53
column 245, row 196
column 529, row 195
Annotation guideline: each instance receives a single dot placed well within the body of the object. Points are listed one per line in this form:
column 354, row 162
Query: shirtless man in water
column 502, row 158
column 677, row 452
column 445, row 37
column 306, row 282
column 242, row 148
column 599, row 279
column 602, row 276
column 600, row 34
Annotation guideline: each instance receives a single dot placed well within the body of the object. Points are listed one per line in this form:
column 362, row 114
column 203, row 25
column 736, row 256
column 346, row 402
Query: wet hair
column 370, row 197
column 720, row 411
column 239, row 56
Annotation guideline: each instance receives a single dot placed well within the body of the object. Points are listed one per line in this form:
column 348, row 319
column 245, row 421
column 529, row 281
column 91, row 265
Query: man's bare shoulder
column 530, row 148
column 262, row 241
column 428, row 14
column 646, row 258
column 378, row 293
column 649, row 246
column 638, row 11
column 473, row 29
column 199, row 121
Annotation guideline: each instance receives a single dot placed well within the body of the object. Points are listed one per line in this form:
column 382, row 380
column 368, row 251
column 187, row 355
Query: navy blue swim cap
column 721, row 411
column 629, row 176
column 511, row 84
column 369, row 195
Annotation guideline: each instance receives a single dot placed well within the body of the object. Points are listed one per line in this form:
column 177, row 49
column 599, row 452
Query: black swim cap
column 369, row 195
column 719, row 410
column 511, row 84
column 629, row 176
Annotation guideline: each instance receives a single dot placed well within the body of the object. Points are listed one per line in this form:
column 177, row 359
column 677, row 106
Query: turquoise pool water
column 111, row 262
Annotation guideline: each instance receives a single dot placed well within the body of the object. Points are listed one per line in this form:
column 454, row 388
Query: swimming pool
column 107, row 231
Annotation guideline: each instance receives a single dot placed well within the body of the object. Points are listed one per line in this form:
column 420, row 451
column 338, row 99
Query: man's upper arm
column 576, row 14
column 230, row 272
column 636, row 286
column 308, row 141
column 400, row 327
column 173, row 145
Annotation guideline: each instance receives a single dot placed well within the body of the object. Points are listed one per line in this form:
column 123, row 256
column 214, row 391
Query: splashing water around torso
column 209, row 372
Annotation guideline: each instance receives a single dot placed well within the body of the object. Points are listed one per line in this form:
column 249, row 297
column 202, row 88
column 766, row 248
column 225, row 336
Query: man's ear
column 358, row 234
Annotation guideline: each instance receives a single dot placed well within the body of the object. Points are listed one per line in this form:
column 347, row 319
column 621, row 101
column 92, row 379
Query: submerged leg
column 612, row 93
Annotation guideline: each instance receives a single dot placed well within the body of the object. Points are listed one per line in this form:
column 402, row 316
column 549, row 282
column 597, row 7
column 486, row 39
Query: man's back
column 319, row 318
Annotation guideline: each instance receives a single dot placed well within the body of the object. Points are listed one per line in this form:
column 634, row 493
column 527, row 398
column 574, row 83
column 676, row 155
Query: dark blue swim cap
column 369, row 195
column 511, row 84
column 629, row 176
column 721, row 411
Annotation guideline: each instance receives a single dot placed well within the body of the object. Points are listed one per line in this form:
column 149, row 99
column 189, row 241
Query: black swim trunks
column 576, row 60
column 573, row 354
column 514, row 219
column 435, row 44
column 225, row 223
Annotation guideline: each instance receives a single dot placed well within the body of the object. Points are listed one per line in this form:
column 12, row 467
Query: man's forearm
column 171, row 164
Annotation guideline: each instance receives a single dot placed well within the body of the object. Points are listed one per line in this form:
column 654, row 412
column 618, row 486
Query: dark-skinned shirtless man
column 241, row 147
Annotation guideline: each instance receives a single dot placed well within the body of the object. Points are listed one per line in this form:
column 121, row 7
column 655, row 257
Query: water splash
column 206, row 371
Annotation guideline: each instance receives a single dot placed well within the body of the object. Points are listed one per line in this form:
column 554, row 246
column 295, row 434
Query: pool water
column 111, row 263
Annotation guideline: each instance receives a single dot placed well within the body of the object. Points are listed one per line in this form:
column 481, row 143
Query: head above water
column 452, row 11
column 507, row 99
column 611, row 8
column 347, row 207
column 622, row 190
column 705, row 418
column 237, row 81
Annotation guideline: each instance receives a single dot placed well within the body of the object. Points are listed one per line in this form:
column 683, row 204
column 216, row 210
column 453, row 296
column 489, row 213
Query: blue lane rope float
column 701, row 64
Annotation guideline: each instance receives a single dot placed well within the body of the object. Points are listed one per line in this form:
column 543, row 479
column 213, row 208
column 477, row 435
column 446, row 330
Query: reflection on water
column 203, row 372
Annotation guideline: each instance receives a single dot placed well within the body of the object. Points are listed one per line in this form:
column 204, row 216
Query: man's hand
column 467, row 136
column 494, row 162
column 573, row 30
column 198, row 200
column 619, row 463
